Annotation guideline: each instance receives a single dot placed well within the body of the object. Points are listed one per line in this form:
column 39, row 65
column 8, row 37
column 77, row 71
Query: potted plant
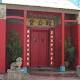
column 13, row 47
column 69, row 54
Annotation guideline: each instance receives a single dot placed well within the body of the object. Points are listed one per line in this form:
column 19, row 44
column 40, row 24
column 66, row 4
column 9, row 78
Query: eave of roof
column 65, row 4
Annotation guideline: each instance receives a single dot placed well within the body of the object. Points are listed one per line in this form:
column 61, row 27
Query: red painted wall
column 57, row 46
column 2, row 45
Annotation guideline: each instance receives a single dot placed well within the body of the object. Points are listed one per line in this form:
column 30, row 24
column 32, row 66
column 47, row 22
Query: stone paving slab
column 36, row 77
column 32, row 77
column 1, row 77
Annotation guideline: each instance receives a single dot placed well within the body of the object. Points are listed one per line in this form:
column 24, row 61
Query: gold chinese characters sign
column 36, row 22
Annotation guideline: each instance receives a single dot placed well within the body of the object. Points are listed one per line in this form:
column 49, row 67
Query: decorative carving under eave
column 2, row 11
column 78, row 18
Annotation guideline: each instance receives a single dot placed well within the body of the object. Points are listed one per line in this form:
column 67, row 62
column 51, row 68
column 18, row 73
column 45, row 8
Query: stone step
column 56, row 74
column 43, row 69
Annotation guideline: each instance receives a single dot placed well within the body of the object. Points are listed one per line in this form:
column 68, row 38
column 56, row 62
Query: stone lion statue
column 17, row 64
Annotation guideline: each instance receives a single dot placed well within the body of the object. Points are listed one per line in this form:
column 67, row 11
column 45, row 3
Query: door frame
column 50, row 30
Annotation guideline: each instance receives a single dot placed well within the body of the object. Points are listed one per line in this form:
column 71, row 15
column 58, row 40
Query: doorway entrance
column 39, row 48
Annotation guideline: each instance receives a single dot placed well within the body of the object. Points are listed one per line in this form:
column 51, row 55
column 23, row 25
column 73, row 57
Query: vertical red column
column 24, row 54
column 62, row 67
column 27, row 41
column 78, row 58
column 2, row 45
column 2, row 38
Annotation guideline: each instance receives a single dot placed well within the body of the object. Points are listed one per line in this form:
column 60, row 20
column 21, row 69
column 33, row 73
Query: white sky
column 44, row 3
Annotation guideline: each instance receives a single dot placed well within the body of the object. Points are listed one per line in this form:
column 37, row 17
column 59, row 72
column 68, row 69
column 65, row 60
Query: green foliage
column 13, row 47
column 69, row 52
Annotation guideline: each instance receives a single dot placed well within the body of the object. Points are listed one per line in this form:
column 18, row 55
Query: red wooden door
column 39, row 48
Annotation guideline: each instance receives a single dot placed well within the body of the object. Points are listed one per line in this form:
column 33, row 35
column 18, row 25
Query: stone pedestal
column 16, row 75
column 62, row 68
column 78, row 70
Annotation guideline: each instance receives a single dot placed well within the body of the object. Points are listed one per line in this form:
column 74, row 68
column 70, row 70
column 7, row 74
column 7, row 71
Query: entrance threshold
column 43, row 69
column 55, row 74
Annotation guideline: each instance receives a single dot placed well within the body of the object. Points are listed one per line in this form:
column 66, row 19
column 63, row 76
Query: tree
column 13, row 47
column 69, row 53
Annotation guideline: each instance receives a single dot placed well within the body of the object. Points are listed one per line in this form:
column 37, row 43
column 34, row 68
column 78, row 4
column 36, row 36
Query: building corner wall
column 2, row 38
column 78, row 54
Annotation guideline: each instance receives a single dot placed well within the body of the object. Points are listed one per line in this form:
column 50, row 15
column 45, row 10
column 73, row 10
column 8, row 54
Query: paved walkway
column 33, row 77
column 37, row 77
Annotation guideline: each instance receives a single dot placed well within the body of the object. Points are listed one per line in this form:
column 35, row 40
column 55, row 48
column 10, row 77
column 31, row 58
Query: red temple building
column 45, row 32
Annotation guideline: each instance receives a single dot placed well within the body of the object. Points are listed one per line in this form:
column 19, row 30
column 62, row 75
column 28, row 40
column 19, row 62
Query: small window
column 70, row 24
column 70, row 16
column 13, row 12
column 14, row 21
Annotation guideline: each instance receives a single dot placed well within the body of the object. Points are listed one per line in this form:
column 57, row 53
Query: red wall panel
column 57, row 46
column 2, row 45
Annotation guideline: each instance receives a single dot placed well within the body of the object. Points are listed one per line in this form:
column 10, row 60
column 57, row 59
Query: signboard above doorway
column 43, row 20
